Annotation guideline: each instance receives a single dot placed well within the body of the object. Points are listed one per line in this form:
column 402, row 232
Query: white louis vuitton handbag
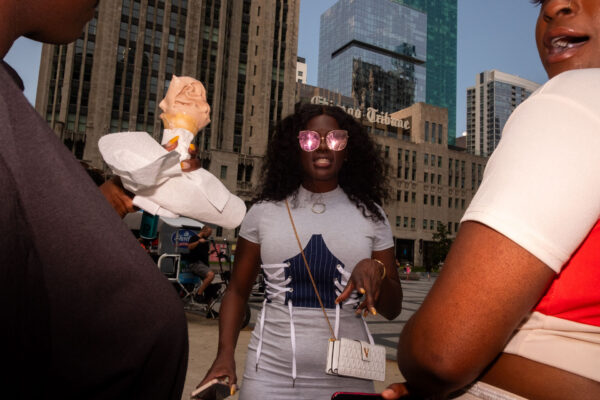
column 348, row 357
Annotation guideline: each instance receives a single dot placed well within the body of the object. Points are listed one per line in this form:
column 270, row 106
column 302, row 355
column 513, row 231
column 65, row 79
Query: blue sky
column 492, row 34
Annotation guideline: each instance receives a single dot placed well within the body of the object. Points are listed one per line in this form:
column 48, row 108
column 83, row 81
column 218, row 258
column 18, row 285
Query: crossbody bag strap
column 312, row 280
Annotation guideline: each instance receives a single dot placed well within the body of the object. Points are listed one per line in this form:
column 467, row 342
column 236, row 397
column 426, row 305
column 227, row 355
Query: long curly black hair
column 362, row 176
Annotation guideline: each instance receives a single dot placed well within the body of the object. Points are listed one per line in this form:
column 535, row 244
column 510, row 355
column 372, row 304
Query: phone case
column 212, row 390
column 356, row 396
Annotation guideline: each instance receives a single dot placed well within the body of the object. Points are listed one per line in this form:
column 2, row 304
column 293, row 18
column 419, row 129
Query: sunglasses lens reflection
column 309, row 140
column 337, row 140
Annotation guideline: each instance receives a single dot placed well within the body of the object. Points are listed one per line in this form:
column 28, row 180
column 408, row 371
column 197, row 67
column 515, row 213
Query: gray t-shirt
column 345, row 230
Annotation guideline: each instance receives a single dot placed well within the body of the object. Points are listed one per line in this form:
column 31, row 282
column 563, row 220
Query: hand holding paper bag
column 155, row 175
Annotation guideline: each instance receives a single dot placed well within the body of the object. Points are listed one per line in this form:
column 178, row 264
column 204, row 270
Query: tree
column 441, row 244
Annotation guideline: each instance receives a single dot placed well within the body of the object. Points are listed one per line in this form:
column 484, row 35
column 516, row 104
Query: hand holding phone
column 215, row 389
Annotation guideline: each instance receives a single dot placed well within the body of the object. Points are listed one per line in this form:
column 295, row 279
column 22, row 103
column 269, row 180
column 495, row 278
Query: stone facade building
column 434, row 181
column 113, row 77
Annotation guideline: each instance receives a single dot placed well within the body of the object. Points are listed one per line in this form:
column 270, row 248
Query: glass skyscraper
column 441, row 55
column 374, row 51
column 419, row 34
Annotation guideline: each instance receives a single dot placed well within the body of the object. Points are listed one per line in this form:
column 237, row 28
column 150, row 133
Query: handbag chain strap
column 312, row 280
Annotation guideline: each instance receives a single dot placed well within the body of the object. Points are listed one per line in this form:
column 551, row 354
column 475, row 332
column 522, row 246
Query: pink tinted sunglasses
column 336, row 140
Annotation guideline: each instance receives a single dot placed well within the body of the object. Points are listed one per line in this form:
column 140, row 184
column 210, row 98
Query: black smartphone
column 213, row 390
column 356, row 396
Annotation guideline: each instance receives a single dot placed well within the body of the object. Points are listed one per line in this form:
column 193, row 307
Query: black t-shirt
column 85, row 313
column 198, row 253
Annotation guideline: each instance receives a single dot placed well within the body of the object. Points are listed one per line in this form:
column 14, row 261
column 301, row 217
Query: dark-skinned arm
column 193, row 245
column 381, row 295
column 245, row 270
column 486, row 288
column 122, row 200
column 389, row 302
column 117, row 196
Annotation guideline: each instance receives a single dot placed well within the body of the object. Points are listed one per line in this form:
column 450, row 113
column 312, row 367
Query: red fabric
column 575, row 293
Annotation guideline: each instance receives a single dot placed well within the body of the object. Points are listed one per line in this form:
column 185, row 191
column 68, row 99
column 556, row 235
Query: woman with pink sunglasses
column 324, row 168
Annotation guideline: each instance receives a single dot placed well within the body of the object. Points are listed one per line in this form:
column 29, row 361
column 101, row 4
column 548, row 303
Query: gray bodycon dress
column 287, row 352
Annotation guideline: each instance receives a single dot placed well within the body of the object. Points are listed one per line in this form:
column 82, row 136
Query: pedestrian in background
column 197, row 258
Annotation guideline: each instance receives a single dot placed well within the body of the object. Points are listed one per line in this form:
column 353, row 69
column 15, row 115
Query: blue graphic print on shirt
column 323, row 266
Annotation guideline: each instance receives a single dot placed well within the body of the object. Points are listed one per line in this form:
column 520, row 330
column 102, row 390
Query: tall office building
column 374, row 51
column 442, row 17
column 114, row 76
column 391, row 53
column 489, row 104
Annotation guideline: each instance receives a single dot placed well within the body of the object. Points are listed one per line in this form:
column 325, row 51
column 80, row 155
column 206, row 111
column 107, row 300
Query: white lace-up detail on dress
column 275, row 290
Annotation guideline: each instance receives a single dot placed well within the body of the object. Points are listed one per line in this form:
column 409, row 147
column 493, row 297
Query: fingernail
column 362, row 291
column 373, row 311
column 365, row 313
column 232, row 390
column 192, row 147
column 337, row 300
column 185, row 164
column 176, row 138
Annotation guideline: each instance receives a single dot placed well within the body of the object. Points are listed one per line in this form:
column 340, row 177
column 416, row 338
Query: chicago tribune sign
column 371, row 115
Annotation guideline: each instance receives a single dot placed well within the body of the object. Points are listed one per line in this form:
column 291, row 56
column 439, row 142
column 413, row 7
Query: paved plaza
column 203, row 335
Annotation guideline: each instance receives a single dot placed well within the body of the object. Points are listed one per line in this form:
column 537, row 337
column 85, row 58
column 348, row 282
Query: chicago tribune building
column 113, row 77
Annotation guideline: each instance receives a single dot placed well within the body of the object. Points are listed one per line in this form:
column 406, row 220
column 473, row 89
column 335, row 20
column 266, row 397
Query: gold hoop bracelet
column 382, row 264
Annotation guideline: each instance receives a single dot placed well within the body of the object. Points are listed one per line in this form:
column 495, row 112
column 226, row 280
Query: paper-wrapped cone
column 154, row 175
